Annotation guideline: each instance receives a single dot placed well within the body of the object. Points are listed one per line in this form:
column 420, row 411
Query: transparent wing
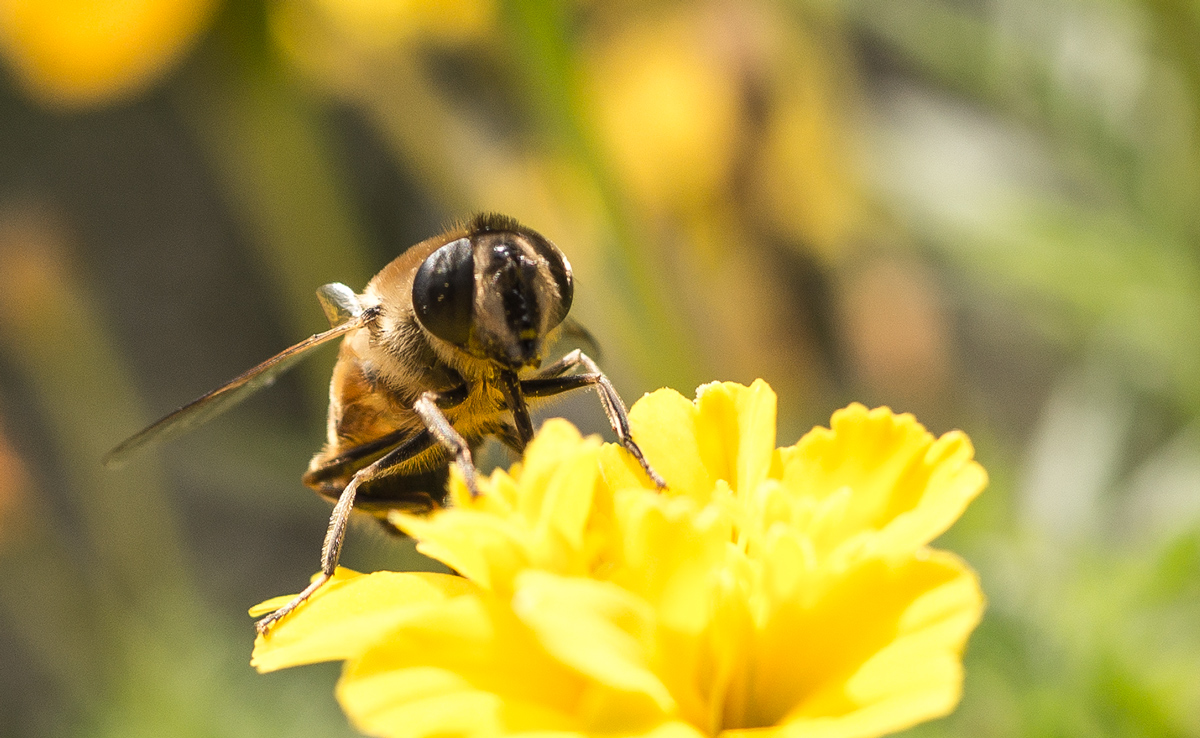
column 576, row 335
column 204, row 408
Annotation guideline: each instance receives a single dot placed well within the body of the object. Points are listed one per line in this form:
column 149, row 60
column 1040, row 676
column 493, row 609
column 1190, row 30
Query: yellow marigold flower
column 80, row 52
column 769, row 589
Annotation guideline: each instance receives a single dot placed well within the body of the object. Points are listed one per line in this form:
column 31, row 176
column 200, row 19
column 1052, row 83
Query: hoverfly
column 441, row 350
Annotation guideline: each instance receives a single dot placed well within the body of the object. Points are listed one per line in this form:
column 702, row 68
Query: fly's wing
column 576, row 335
column 214, row 403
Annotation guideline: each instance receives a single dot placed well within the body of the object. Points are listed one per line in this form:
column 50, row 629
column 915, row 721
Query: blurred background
column 986, row 212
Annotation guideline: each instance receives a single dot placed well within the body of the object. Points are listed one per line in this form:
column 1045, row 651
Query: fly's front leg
column 564, row 365
column 550, row 381
column 335, row 535
column 439, row 425
column 520, row 411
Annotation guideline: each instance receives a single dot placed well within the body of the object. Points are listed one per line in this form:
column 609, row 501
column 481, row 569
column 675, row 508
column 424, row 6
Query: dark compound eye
column 560, row 271
column 444, row 292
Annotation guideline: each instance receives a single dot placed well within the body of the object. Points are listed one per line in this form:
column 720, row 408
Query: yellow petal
column 667, row 552
column 597, row 628
column 954, row 480
column 537, row 518
column 347, row 615
column 463, row 666
column 664, row 426
column 879, row 644
column 674, row 729
column 487, row 549
column 789, row 562
column 420, row 702
column 736, row 431
column 470, row 666
column 727, row 433
column 557, row 481
column 880, row 470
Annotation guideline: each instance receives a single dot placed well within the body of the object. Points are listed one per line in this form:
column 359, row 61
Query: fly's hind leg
column 335, row 535
column 551, row 381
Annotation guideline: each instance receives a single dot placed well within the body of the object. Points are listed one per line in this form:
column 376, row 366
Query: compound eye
column 444, row 292
column 560, row 271
column 566, row 286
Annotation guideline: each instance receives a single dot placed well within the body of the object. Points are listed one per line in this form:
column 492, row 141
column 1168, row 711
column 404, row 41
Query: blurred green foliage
column 983, row 211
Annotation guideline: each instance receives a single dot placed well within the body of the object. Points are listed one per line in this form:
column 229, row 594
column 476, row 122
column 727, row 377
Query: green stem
column 540, row 32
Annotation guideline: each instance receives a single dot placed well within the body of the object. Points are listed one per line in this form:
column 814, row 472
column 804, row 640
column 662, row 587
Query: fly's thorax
column 393, row 356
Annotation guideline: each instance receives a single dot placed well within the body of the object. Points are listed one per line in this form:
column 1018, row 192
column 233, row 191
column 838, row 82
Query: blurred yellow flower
column 666, row 111
column 81, row 52
column 778, row 589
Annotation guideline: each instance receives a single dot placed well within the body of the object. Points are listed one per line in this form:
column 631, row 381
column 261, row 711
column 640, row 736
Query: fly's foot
column 263, row 625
